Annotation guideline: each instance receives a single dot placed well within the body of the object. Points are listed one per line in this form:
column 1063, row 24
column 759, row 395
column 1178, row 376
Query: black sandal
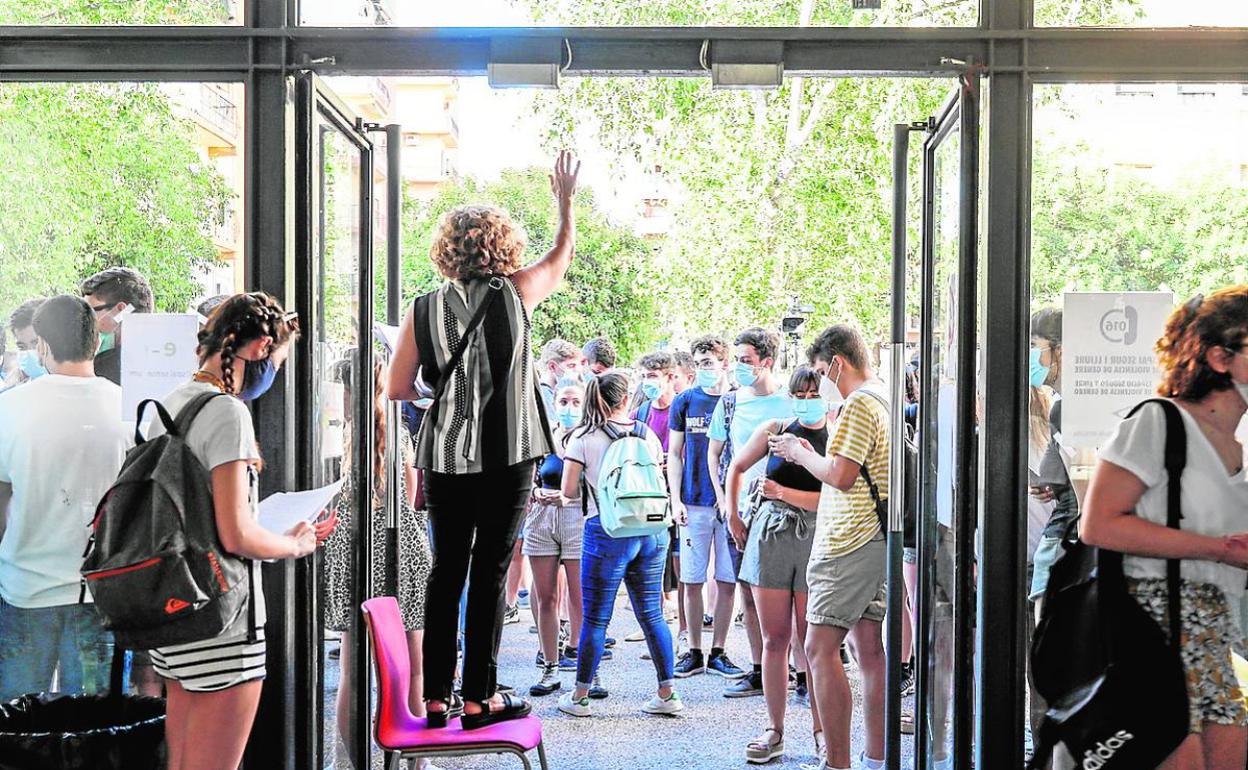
column 454, row 708
column 513, row 708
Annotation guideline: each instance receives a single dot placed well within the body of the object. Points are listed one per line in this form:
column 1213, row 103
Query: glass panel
column 1141, row 13
column 1126, row 222
column 163, row 12
column 937, row 561
column 663, row 13
column 95, row 176
column 336, row 240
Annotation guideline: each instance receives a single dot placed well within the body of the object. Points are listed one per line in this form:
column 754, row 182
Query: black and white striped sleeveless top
column 489, row 417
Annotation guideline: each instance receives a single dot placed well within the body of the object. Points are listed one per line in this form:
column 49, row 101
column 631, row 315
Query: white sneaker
column 568, row 704
column 669, row 705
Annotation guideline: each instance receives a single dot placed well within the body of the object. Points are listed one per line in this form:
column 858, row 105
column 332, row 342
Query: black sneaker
column 541, row 660
column 801, row 694
column 504, row 688
column 844, row 656
column 708, row 620
column 689, row 664
column 749, row 685
column 907, row 680
column 792, row 678
column 549, row 683
column 512, row 615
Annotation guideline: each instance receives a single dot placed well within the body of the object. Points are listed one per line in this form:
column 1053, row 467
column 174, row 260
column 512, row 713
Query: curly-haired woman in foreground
column 469, row 339
column 1204, row 360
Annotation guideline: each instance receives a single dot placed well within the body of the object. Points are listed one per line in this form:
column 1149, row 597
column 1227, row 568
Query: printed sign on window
column 1108, row 363
column 157, row 355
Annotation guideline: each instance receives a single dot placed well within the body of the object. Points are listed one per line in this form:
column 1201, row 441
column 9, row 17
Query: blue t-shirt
column 751, row 412
column 691, row 414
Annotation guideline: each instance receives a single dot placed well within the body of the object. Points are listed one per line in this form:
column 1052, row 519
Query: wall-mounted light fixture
column 534, row 62
column 745, row 64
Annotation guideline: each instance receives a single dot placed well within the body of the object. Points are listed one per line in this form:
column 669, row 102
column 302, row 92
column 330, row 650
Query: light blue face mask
column 108, row 341
column 809, row 411
column 746, row 376
column 1039, row 373
column 568, row 416
column 29, row 362
column 651, row 389
column 587, row 375
column 707, row 378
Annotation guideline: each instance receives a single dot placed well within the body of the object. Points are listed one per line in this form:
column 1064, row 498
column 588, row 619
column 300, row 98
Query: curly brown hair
column 239, row 320
column 1193, row 330
column 477, row 242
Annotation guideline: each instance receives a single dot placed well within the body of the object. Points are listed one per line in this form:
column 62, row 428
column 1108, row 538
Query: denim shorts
column 1042, row 564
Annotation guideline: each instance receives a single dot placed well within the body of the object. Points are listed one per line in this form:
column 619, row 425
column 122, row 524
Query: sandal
column 454, row 708
column 513, row 708
column 762, row 750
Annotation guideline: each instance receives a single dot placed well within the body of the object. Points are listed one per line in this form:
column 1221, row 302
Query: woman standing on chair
column 483, row 433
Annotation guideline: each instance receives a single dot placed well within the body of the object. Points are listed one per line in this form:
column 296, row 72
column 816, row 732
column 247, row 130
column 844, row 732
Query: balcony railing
column 218, row 110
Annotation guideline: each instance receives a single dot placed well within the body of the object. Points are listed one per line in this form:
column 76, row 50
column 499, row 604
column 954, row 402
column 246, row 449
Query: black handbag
column 1115, row 685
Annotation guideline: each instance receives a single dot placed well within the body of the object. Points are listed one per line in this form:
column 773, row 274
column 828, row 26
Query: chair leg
column 541, row 755
column 524, row 759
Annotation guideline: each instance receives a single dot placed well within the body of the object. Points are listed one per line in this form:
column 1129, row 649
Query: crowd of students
column 774, row 482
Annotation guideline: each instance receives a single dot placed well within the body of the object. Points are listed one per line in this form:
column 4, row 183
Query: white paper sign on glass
column 282, row 510
column 157, row 356
column 1108, row 363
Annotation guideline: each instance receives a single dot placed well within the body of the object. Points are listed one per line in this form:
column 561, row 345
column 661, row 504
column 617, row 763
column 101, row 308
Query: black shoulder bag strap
column 881, row 508
column 495, row 291
column 1176, row 461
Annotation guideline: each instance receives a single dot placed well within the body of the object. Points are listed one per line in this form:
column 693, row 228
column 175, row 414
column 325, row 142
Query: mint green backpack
column 631, row 494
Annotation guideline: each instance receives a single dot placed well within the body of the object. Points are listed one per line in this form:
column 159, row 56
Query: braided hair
column 603, row 395
column 241, row 319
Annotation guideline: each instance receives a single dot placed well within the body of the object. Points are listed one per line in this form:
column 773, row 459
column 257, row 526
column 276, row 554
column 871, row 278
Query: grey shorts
column 777, row 549
column 848, row 588
column 553, row 530
column 704, row 534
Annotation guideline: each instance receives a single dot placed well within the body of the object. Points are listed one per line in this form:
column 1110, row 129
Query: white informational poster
column 157, row 355
column 1108, row 363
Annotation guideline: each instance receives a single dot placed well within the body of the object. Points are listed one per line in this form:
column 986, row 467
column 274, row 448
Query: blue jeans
column 36, row 642
column 639, row 563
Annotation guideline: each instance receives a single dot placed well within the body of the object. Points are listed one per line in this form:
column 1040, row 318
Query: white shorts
column 703, row 533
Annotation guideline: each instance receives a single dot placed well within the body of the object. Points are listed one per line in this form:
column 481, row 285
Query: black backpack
column 1116, row 688
column 154, row 563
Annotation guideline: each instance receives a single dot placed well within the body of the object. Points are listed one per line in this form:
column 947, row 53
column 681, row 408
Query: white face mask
column 830, row 391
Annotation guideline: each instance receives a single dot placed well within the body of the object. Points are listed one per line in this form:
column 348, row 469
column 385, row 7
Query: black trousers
column 475, row 518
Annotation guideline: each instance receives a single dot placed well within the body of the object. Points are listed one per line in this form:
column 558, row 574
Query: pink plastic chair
column 404, row 736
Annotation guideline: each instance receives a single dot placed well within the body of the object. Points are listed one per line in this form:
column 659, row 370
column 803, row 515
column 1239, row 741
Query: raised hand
column 563, row 178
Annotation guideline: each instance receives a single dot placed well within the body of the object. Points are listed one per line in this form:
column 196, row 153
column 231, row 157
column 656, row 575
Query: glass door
column 334, row 194
column 941, row 573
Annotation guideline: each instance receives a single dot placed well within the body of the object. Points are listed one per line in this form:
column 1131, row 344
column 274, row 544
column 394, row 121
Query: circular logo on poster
column 1120, row 325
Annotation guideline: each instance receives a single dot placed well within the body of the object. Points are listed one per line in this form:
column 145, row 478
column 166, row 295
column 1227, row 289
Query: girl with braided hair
column 214, row 684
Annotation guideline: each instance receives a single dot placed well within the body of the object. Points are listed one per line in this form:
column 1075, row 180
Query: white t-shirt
column 1214, row 502
column 62, row 444
column 221, row 433
column 588, row 450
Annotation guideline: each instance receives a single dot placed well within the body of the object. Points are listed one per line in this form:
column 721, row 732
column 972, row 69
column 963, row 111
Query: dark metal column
column 1001, row 658
column 268, row 208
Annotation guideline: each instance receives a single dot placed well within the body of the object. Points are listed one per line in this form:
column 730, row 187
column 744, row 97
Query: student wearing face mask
column 1051, row 480
column 552, row 540
column 22, row 324
column 561, row 360
column 65, row 419
column 214, row 684
column 1204, row 361
column 776, row 547
column 738, row 414
column 113, row 294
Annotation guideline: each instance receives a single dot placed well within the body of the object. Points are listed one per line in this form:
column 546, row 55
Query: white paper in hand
column 283, row 510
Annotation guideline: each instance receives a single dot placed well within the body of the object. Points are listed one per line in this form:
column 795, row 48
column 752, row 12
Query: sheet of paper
column 159, row 355
column 283, row 510
column 387, row 335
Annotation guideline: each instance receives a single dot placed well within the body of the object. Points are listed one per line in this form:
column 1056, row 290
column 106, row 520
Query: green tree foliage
column 608, row 290
column 1097, row 230
column 775, row 193
column 115, row 12
column 95, row 175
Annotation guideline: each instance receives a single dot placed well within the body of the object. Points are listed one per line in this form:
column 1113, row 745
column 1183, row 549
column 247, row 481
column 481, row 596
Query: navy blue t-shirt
column 691, row 415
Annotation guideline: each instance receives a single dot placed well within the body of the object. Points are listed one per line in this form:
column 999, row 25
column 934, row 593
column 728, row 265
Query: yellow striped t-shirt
column 847, row 520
